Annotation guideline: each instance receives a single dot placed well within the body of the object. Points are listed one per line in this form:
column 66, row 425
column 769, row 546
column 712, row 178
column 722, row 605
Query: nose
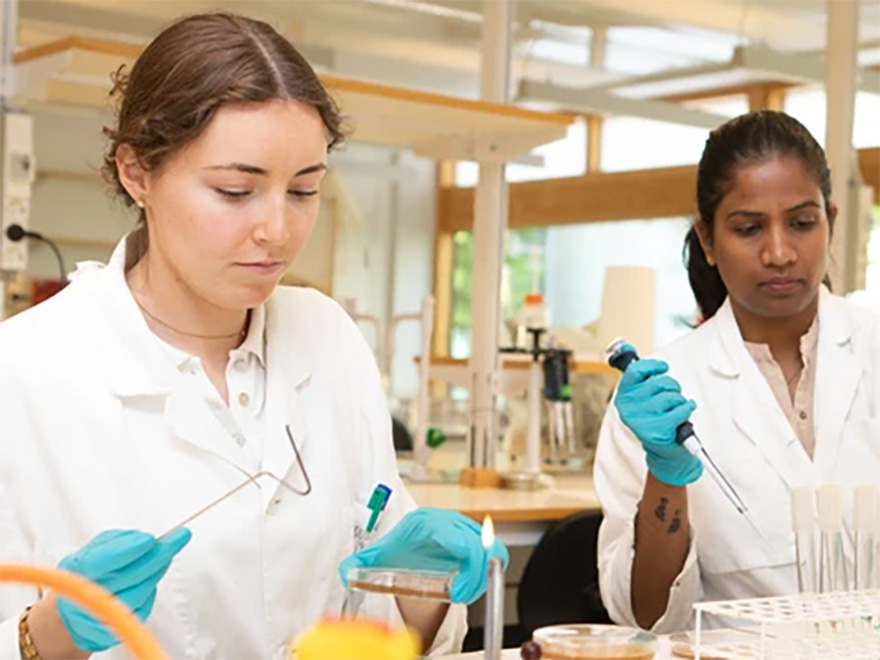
column 777, row 251
column 273, row 228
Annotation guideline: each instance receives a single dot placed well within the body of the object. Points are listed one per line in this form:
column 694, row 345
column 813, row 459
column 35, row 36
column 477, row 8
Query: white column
column 8, row 22
column 840, row 87
column 490, row 222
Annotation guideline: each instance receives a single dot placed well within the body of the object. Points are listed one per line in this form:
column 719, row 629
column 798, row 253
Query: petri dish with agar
column 594, row 642
column 717, row 644
column 404, row 582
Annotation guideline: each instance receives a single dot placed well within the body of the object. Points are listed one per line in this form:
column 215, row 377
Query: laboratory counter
column 521, row 517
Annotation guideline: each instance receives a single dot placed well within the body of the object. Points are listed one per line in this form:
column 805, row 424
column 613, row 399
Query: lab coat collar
column 727, row 351
column 135, row 365
column 755, row 409
column 134, row 361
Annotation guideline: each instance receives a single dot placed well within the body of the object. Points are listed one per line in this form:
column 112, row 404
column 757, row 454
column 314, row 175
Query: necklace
column 241, row 333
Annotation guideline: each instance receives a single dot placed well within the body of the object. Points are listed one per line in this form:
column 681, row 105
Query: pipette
column 620, row 358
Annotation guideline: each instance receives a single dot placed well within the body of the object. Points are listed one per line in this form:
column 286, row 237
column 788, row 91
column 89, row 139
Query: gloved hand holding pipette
column 652, row 406
column 437, row 540
column 128, row 564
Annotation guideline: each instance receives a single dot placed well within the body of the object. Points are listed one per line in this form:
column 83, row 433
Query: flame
column 487, row 534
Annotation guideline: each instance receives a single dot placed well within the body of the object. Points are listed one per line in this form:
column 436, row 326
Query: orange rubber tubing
column 97, row 600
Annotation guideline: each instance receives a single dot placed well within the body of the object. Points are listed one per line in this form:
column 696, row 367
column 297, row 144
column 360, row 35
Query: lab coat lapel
column 135, row 365
column 288, row 374
column 754, row 407
column 837, row 378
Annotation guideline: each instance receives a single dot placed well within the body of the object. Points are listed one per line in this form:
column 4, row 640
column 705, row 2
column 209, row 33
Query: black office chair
column 560, row 583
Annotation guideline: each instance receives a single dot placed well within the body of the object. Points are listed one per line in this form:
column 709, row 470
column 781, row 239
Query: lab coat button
column 243, row 399
column 239, row 439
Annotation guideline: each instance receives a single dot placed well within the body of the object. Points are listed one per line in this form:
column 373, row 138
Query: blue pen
column 376, row 505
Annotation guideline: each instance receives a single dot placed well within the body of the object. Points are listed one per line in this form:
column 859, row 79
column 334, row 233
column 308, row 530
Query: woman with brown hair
column 159, row 381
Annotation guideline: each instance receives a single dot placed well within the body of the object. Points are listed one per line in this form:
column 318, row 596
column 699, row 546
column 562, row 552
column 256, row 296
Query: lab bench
column 520, row 517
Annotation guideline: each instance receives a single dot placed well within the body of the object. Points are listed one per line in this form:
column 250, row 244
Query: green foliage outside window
column 524, row 273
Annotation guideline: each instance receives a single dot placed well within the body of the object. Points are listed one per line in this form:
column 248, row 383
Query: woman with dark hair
column 156, row 383
column 781, row 382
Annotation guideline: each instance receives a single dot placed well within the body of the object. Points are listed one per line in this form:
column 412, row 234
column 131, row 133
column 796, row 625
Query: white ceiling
column 434, row 44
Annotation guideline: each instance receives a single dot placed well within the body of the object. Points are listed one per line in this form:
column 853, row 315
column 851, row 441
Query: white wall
column 70, row 140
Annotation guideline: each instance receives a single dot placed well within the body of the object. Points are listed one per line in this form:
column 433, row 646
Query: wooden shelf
column 77, row 70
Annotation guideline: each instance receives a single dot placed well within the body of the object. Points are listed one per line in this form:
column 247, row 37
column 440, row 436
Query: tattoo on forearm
column 660, row 511
column 675, row 525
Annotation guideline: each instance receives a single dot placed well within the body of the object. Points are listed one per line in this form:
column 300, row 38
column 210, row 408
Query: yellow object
column 95, row 599
column 356, row 640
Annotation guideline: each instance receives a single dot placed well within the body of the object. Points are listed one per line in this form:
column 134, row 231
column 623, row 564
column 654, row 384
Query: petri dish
column 594, row 642
column 717, row 644
column 404, row 582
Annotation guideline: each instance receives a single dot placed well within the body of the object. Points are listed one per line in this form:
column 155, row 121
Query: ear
column 705, row 240
column 132, row 174
column 832, row 218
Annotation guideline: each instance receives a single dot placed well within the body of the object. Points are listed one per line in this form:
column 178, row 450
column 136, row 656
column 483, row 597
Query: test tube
column 803, row 521
column 865, row 519
column 832, row 558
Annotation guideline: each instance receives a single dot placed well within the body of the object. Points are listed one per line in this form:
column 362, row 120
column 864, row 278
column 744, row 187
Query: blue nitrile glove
column 433, row 540
column 128, row 564
column 651, row 405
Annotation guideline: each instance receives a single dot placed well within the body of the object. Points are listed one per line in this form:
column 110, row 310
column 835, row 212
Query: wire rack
column 833, row 626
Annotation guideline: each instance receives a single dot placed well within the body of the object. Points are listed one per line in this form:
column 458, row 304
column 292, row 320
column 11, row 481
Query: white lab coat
column 98, row 430
column 747, row 434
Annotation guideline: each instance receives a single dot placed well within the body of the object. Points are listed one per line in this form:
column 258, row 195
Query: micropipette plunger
column 620, row 358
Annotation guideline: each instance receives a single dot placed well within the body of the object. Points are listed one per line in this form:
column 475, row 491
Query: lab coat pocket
column 728, row 541
column 859, row 453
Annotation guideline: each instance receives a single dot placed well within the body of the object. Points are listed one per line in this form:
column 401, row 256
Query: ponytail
column 707, row 285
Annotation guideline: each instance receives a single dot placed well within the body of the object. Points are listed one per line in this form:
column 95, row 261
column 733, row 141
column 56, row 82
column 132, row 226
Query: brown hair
column 189, row 71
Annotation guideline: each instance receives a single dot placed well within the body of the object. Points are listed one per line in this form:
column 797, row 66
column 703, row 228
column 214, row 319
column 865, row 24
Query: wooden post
column 766, row 96
column 594, row 143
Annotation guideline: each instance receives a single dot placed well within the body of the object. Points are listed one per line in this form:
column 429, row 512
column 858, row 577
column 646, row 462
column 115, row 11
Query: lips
column 781, row 284
column 263, row 267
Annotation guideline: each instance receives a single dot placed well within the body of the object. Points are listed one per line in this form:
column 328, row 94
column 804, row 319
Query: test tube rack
column 833, row 626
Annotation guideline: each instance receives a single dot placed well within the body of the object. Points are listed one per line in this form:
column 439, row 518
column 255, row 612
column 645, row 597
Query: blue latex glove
column 433, row 540
column 651, row 405
column 128, row 564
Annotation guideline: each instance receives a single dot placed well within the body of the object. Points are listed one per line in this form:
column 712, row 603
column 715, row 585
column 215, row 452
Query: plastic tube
column 832, row 559
column 803, row 522
column 865, row 519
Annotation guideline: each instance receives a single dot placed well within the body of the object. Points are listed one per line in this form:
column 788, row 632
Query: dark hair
column 190, row 70
column 744, row 140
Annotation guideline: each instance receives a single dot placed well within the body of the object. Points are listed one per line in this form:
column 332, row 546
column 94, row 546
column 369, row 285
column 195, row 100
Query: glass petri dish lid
column 404, row 582
column 594, row 642
column 719, row 644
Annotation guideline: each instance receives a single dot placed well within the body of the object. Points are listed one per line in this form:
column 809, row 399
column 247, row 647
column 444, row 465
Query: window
column 565, row 157
column 522, row 272
column 577, row 255
column 632, row 143
column 807, row 105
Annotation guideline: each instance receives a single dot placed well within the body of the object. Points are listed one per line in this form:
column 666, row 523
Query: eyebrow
column 758, row 214
column 252, row 169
